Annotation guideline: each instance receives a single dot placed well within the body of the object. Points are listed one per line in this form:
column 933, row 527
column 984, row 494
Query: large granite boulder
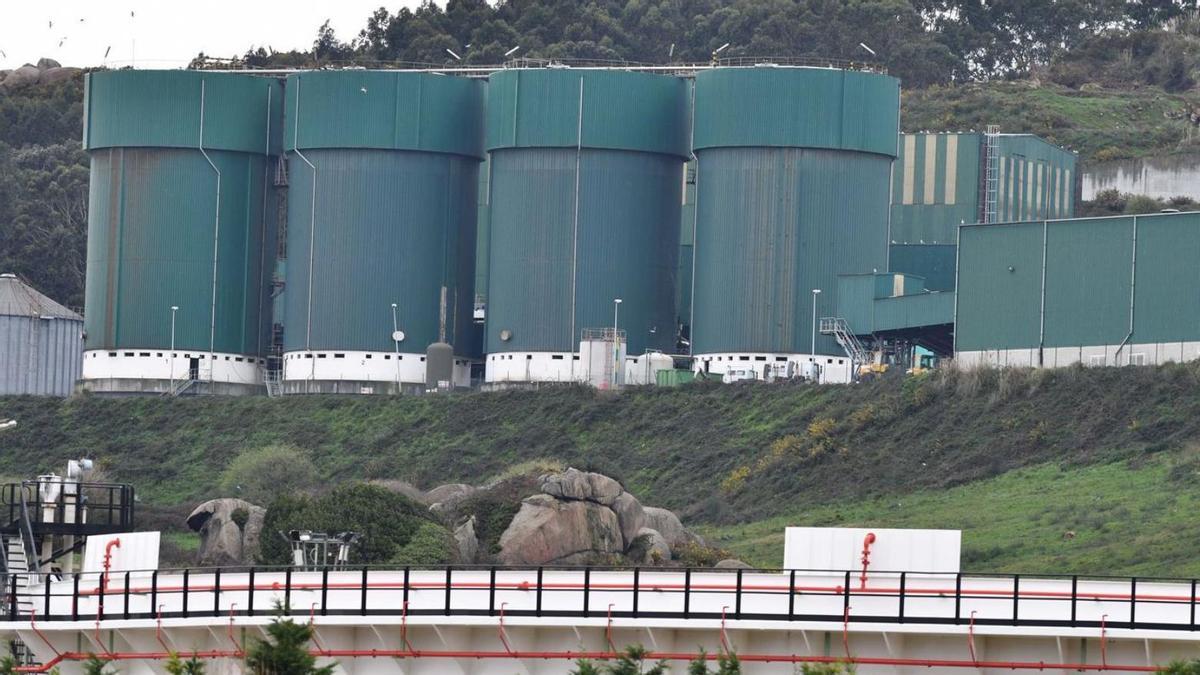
column 630, row 515
column 467, row 541
column 230, row 531
column 652, row 549
column 22, row 76
column 583, row 486
column 53, row 75
column 670, row 527
column 47, row 63
column 554, row 531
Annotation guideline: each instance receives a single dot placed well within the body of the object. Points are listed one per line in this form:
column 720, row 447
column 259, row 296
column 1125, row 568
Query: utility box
column 840, row 549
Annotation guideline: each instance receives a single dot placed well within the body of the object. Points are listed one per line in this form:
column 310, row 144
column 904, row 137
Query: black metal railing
column 109, row 507
column 673, row 593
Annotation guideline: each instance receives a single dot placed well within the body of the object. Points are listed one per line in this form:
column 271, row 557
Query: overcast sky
column 168, row 33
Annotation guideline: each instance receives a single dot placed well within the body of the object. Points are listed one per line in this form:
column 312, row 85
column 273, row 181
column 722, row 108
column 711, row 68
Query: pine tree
column 285, row 651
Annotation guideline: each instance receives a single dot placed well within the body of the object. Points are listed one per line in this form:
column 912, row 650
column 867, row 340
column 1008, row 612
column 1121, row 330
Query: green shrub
column 262, row 474
column 394, row 528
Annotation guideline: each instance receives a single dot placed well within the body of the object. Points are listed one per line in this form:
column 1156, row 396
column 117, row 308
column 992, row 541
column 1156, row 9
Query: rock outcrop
column 467, row 541
column 230, row 531
column 573, row 517
column 46, row 71
column 670, row 527
column 653, row 548
column 553, row 531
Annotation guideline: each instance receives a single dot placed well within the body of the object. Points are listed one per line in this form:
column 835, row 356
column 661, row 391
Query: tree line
column 923, row 42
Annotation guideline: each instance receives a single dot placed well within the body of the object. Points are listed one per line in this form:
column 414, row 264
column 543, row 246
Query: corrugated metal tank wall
column 39, row 356
column 586, row 186
column 793, row 183
column 391, row 213
column 153, row 214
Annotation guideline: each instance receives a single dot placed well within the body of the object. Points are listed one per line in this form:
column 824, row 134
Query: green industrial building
column 181, row 234
column 1096, row 291
column 943, row 180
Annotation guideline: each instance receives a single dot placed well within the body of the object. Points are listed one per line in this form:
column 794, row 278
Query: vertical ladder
column 991, row 176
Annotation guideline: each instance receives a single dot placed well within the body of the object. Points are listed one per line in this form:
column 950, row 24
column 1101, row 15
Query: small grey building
column 41, row 342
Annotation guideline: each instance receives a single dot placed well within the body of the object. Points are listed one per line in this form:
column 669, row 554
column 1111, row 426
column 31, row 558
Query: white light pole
column 812, row 348
column 174, row 308
column 616, row 342
column 396, row 342
column 6, row 425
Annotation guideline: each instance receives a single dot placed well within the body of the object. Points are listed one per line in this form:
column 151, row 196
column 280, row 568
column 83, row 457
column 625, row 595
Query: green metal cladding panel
column 385, row 110
column 1167, row 305
column 999, row 287
column 1036, row 180
column 935, row 187
column 773, row 224
column 161, row 109
column 933, row 262
column 913, row 311
column 797, row 108
column 540, row 108
column 1089, row 268
column 1087, row 281
column 151, row 219
column 628, row 243
column 390, row 226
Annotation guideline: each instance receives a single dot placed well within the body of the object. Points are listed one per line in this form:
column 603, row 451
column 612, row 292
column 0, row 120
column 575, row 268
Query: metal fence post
column 538, row 611
column 186, row 573
column 125, row 598
column 362, row 600
column 587, row 591
column 903, row 579
column 958, row 598
column 1074, row 597
column 449, row 586
column 1132, row 602
column 792, row 595
column 1016, row 597
column 324, row 591
column 492, row 592
column 250, row 593
column 217, row 592
column 687, row 593
column 636, row 572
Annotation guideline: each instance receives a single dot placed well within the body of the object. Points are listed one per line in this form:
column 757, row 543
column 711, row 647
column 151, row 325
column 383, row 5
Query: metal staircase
column 17, row 576
column 180, row 388
column 991, row 176
column 840, row 330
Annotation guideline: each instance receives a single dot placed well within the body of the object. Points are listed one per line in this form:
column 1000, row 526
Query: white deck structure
column 497, row 620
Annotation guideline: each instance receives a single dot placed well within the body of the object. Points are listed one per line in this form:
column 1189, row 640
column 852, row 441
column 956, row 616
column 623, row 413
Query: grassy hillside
column 1097, row 123
column 1016, row 459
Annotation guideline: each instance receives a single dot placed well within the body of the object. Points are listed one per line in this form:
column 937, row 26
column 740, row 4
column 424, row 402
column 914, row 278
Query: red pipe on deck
column 866, row 558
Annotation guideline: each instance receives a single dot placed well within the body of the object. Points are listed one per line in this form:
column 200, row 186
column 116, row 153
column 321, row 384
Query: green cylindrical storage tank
column 586, row 184
column 383, row 172
column 793, row 182
column 181, row 231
